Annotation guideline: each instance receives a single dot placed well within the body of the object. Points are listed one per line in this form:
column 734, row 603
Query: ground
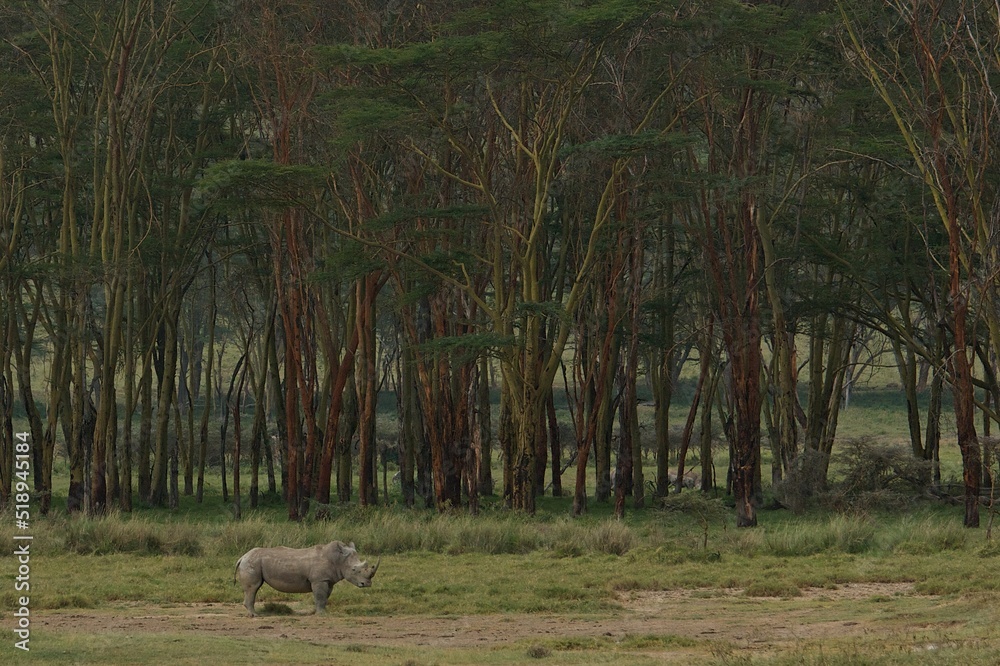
column 698, row 622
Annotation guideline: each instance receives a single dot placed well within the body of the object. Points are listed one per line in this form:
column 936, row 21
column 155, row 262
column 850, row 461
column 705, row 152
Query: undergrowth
column 693, row 529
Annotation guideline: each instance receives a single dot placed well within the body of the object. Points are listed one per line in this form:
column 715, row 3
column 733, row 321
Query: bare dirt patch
column 713, row 615
column 731, row 615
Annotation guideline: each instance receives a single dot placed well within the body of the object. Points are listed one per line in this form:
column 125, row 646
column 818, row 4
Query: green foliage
column 464, row 348
column 611, row 537
column 627, row 145
column 877, row 475
column 424, row 118
column 238, row 184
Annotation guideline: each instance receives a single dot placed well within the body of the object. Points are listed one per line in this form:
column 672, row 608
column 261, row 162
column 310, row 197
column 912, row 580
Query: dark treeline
column 298, row 205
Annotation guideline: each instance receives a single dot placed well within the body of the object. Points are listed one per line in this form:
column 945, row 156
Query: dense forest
column 289, row 208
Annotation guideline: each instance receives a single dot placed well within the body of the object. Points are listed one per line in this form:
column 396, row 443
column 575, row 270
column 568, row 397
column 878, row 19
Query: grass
column 506, row 565
column 545, row 566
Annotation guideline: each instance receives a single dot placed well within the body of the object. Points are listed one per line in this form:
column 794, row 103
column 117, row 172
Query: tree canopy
column 301, row 205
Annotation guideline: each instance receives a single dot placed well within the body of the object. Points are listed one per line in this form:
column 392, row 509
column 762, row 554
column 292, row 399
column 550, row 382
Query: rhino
column 691, row 479
column 315, row 570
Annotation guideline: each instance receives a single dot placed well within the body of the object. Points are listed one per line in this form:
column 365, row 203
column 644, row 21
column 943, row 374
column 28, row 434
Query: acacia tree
column 542, row 90
column 21, row 281
column 274, row 49
column 935, row 69
column 594, row 364
column 68, row 86
column 134, row 80
column 107, row 74
column 733, row 105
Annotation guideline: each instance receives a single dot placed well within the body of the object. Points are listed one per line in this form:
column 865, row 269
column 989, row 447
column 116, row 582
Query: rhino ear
column 351, row 546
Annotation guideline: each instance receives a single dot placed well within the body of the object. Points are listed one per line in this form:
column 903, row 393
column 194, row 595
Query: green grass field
column 888, row 580
column 669, row 584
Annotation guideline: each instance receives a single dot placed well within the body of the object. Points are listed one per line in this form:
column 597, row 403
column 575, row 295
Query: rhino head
column 357, row 571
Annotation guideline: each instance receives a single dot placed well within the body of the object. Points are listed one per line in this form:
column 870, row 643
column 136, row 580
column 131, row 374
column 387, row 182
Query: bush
column 494, row 537
column 539, row 652
column 852, row 534
column 877, row 477
column 742, row 542
column 275, row 608
column 869, row 467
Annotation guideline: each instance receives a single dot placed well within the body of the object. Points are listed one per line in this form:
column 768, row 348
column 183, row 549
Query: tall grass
column 857, row 534
column 391, row 530
column 115, row 534
column 376, row 532
column 840, row 533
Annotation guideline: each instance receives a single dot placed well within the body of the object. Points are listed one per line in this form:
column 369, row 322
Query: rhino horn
column 377, row 562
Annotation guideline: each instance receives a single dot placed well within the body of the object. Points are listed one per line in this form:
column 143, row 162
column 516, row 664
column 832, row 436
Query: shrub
column 793, row 541
column 493, row 537
column 871, row 467
column 852, row 534
column 564, row 538
column 72, row 601
column 182, row 539
column 240, row 536
column 746, row 543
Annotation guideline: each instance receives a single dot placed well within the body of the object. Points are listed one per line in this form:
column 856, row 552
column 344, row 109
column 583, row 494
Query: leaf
column 239, row 184
column 626, row 145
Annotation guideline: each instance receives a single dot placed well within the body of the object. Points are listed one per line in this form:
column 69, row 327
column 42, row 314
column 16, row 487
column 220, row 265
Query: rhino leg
column 251, row 579
column 321, row 592
column 250, row 597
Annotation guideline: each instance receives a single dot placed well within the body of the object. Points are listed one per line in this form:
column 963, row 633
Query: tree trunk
column 506, row 437
column 964, row 398
column 258, row 432
column 346, row 429
column 409, row 424
column 158, row 490
column 366, row 382
column 785, row 371
column 555, row 445
column 145, row 471
column 705, row 367
column 207, row 410
column 21, row 350
column 484, row 428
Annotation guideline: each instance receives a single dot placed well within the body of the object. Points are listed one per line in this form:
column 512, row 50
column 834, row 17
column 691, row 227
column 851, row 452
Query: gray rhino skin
column 315, row 570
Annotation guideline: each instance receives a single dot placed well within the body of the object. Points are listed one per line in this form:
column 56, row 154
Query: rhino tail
column 236, row 573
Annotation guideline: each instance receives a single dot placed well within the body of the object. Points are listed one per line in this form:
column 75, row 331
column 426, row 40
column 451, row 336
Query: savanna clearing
column 672, row 585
